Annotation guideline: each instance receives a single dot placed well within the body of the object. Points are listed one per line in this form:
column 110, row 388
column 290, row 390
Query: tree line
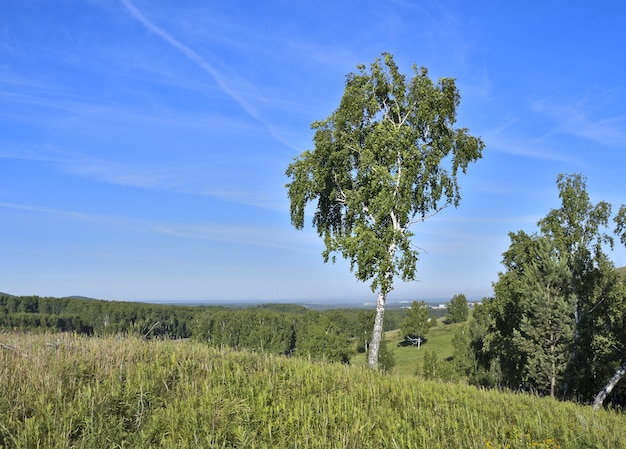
column 94, row 317
column 282, row 329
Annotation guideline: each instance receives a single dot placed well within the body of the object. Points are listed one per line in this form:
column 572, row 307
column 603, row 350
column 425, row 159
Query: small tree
column 386, row 159
column 546, row 330
column 458, row 310
column 417, row 322
column 387, row 360
column 317, row 336
column 462, row 356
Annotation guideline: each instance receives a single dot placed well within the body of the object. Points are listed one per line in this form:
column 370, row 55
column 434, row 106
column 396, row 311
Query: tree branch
column 368, row 214
column 415, row 341
column 406, row 116
column 426, row 217
column 342, row 195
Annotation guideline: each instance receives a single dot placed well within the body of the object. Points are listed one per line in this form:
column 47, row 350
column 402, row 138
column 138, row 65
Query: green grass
column 409, row 359
column 61, row 391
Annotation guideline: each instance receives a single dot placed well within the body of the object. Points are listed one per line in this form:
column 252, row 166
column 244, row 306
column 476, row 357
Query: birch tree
column 386, row 159
column 611, row 343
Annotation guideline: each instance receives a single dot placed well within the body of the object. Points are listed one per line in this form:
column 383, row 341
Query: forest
column 280, row 329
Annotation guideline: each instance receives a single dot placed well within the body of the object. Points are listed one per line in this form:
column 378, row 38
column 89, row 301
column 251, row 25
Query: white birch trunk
column 377, row 334
column 597, row 403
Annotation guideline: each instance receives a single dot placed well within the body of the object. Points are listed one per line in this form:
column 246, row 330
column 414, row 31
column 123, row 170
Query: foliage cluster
column 62, row 391
column 557, row 322
column 458, row 309
column 333, row 335
column 417, row 322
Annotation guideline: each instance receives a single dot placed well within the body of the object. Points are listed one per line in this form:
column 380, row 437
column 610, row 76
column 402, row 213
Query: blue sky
column 143, row 143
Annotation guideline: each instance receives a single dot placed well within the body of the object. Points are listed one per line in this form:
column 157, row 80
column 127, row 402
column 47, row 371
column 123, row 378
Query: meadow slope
column 63, row 391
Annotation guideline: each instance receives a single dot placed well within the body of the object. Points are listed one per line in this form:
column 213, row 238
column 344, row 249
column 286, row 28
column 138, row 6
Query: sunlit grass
column 409, row 359
column 61, row 391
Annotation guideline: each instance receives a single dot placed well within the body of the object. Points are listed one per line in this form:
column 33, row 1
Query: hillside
column 69, row 391
column 408, row 359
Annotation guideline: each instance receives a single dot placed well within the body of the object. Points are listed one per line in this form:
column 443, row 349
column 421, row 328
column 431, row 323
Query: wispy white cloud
column 337, row 58
column 54, row 211
column 24, row 153
column 11, row 79
column 221, row 81
column 187, row 177
column 249, row 235
column 581, row 117
column 207, row 177
column 230, row 83
column 477, row 84
column 122, row 174
column 508, row 139
column 81, row 114
column 184, row 177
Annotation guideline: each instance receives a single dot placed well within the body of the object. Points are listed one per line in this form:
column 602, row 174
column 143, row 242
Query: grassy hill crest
column 71, row 391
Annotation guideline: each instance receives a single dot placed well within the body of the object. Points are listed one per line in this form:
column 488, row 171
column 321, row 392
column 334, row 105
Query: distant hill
column 621, row 270
column 64, row 297
column 82, row 297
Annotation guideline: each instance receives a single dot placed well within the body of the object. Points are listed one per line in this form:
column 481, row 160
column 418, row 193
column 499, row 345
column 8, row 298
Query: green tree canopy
column 458, row 310
column 417, row 321
column 557, row 305
column 578, row 231
column 386, row 159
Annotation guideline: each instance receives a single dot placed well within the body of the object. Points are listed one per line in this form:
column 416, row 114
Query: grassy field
column 62, row 391
column 409, row 359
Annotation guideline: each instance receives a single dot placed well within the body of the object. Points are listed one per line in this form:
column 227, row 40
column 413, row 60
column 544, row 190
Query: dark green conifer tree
column 546, row 329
